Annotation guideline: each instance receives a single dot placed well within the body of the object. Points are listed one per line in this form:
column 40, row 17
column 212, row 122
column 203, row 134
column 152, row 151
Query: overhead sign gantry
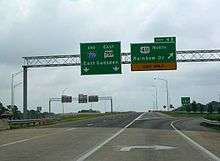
column 125, row 58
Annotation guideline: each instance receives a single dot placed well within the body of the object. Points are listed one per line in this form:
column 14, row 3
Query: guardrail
column 32, row 122
column 211, row 122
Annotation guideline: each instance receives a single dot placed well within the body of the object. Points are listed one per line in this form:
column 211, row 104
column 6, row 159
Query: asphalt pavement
column 123, row 137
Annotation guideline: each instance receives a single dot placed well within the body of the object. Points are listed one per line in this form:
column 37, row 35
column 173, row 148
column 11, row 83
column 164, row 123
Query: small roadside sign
column 185, row 101
column 82, row 98
column 93, row 98
column 165, row 39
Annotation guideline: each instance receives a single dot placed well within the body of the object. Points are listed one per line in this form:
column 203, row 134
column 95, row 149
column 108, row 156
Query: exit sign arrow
column 116, row 68
column 153, row 147
column 86, row 69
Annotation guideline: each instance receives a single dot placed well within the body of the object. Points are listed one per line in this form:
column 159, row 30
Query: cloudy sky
column 39, row 27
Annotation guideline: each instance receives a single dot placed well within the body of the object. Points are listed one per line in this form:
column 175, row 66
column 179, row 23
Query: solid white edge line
column 86, row 155
column 195, row 144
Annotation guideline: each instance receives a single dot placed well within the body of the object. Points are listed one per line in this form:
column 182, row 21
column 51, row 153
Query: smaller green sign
column 185, row 101
column 165, row 39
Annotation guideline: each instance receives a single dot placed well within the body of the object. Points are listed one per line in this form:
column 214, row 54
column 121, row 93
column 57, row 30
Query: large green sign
column 165, row 39
column 185, row 101
column 153, row 56
column 100, row 58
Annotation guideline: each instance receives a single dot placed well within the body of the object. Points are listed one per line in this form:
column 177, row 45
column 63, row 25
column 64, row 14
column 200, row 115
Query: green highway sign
column 100, row 58
column 185, row 101
column 165, row 39
column 153, row 56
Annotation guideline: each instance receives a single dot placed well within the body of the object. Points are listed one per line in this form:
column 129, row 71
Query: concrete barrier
column 4, row 124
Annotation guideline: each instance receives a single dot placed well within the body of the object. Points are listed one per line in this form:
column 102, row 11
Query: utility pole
column 111, row 106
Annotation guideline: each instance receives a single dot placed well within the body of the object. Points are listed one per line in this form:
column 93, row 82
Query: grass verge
column 66, row 118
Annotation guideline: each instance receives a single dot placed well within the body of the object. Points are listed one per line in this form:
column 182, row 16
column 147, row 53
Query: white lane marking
column 35, row 137
column 19, row 141
column 149, row 118
column 154, row 147
column 195, row 144
column 70, row 129
column 86, row 155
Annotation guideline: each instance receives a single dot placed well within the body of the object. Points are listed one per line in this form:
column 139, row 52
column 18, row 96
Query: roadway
column 123, row 137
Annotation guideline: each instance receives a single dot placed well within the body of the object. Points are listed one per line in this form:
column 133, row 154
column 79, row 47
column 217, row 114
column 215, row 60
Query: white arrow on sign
column 115, row 68
column 170, row 56
column 153, row 147
column 86, row 69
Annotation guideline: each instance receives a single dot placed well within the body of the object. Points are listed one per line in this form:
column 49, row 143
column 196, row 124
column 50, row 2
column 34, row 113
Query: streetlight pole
column 155, row 97
column 167, row 91
column 62, row 102
column 13, row 86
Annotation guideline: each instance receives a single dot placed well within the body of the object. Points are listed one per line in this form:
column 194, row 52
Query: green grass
column 184, row 114
column 215, row 117
column 210, row 126
column 82, row 117
column 66, row 118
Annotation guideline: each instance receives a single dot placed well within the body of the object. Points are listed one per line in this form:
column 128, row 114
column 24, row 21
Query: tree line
column 14, row 113
column 211, row 107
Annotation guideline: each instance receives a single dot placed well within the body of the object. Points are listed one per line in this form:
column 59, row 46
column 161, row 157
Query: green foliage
column 188, row 109
column 89, row 111
column 2, row 109
column 215, row 117
column 202, row 109
column 16, row 113
column 194, row 106
column 210, row 108
column 219, row 110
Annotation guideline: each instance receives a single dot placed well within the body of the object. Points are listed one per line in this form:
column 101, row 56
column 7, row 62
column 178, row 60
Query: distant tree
column 219, row 110
column 188, row 109
column 210, row 108
column 201, row 108
column 32, row 114
column 194, row 106
column 14, row 110
column 2, row 109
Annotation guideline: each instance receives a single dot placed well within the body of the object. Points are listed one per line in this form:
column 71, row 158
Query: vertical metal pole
column 156, row 100
column 111, row 106
column 167, row 95
column 12, row 90
column 49, row 105
column 25, row 92
column 63, row 108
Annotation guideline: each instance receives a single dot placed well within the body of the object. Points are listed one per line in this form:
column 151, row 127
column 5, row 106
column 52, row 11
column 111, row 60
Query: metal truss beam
column 74, row 60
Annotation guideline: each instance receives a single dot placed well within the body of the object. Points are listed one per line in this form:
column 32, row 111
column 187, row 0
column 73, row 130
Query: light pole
column 61, row 98
column 155, row 96
column 167, row 90
column 13, row 86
